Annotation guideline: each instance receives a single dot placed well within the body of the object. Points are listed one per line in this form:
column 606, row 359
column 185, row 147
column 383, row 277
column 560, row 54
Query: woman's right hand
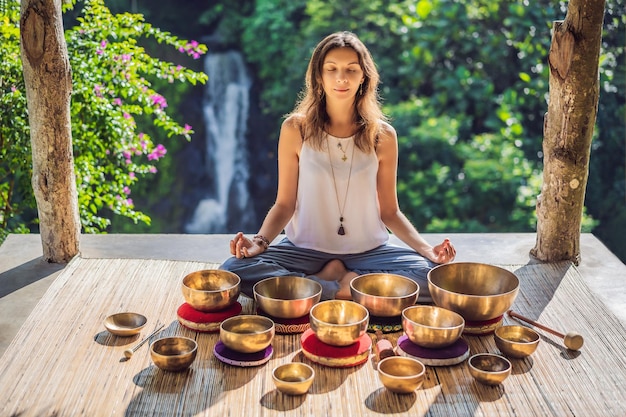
column 242, row 247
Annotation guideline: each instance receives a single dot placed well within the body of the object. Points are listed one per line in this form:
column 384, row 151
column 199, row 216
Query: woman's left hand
column 444, row 252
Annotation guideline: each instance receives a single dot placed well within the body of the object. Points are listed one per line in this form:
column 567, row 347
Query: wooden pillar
column 48, row 79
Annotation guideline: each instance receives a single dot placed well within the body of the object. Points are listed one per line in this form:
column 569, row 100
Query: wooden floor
column 64, row 363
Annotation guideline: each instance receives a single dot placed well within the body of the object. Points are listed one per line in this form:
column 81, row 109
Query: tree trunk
column 568, row 130
column 48, row 79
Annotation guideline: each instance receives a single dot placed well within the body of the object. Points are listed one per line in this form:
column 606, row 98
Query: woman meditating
column 336, row 200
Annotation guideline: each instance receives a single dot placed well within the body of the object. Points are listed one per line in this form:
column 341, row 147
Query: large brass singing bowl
column 516, row 341
column 488, row 368
column 432, row 326
column 384, row 295
column 476, row 291
column 247, row 333
column 287, row 297
column 401, row 374
column 338, row 322
column 173, row 354
column 211, row 289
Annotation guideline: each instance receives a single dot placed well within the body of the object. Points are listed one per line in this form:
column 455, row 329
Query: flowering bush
column 113, row 93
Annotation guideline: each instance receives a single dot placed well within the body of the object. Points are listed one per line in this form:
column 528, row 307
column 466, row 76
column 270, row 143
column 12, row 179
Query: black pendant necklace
column 341, row 231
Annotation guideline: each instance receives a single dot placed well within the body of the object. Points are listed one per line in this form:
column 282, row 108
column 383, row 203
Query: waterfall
column 227, row 207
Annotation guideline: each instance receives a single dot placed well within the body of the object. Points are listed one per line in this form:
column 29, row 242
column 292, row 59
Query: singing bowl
column 384, row 295
column 293, row 378
column 247, row 333
column 338, row 322
column 432, row 326
column 401, row 374
column 211, row 289
column 287, row 297
column 125, row 324
column 516, row 341
column 174, row 353
column 488, row 368
column 477, row 291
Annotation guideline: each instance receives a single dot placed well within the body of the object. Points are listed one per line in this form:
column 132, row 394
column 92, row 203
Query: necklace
column 344, row 158
column 341, row 231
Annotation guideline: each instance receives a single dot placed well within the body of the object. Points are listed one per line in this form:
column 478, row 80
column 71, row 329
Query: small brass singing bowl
column 477, row 291
column 211, row 289
column 432, row 326
column 125, row 324
column 516, row 341
column 287, row 297
column 247, row 333
column 338, row 322
column 293, row 378
column 384, row 295
column 488, row 368
column 173, row 354
column 401, row 374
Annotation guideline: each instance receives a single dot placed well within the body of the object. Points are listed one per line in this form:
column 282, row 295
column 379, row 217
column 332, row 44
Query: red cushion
column 201, row 321
column 335, row 356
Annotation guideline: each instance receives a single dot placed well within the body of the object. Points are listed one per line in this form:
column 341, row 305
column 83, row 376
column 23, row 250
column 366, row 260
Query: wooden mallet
column 571, row 340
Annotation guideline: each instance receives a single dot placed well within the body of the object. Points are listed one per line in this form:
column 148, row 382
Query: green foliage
column 113, row 94
column 15, row 155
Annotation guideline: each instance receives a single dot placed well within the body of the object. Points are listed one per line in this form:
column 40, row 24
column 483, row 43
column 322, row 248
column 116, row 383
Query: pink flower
column 158, row 100
column 152, row 170
column 97, row 90
column 126, row 190
column 187, row 128
column 157, row 153
column 117, row 101
column 132, row 175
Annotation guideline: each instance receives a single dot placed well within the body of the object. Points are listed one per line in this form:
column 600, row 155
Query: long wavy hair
column 311, row 107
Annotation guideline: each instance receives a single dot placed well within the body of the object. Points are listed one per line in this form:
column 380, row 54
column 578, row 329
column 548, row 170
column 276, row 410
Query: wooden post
column 568, row 130
column 48, row 79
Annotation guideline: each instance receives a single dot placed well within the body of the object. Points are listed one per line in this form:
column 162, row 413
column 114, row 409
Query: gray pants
column 286, row 259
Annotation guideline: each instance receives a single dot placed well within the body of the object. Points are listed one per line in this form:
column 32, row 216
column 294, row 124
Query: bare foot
column 344, row 292
column 333, row 271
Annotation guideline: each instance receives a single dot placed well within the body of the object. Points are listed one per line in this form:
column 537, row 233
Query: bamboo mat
column 64, row 363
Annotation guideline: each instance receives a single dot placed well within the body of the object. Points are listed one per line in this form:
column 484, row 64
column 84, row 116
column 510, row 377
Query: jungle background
column 464, row 82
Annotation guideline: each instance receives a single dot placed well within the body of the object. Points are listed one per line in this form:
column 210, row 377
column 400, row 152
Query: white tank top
column 315, row 222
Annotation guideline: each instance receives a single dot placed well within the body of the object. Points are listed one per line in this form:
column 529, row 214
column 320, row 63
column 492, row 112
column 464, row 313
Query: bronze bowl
column 384, row 295
column 432, row 326
column 338, row 322
column 294, row 378
column 477, row 291
column 516, row 341
column 174, row 353
column 401, row 374
column 247, row 333
column 125, row 324
column 211, row 289
column 287, row 297
column 488, row 368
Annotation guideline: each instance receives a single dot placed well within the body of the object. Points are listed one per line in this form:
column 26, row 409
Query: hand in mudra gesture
column 444, row 252
column 243, row 247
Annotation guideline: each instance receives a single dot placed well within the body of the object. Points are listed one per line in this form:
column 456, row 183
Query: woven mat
column 64, row 363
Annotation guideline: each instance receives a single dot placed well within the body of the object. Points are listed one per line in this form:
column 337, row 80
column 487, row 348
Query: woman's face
column 341, row 74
